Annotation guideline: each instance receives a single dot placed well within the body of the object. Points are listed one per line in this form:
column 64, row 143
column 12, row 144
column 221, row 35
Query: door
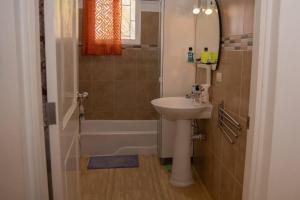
column 61, row 44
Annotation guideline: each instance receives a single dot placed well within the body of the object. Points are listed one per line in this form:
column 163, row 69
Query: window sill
column 131, row 42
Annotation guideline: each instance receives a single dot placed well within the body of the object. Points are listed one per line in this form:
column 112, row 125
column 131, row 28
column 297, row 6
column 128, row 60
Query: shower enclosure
column 118, row 116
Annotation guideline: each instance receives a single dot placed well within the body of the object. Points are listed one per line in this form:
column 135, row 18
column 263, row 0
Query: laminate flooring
column 148, row 182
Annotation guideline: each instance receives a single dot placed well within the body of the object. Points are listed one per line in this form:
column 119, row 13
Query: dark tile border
column 238, row 42
column 142, row 46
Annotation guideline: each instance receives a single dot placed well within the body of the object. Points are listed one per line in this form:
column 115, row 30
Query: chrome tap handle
column 82, row 95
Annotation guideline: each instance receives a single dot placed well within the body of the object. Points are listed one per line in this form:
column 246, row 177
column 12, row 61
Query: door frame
column 262, row 92
column 261, row 101
column 28, row 57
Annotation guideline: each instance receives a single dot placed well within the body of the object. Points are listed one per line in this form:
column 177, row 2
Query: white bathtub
column 118, row 137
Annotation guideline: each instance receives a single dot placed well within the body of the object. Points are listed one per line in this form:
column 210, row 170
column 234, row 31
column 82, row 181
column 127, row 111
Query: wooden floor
column 148, row 182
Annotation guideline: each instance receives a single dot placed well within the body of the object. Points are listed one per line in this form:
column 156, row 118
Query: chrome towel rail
column 229, row 129
column 227, row 124
column 230, row 119
column 226, row 134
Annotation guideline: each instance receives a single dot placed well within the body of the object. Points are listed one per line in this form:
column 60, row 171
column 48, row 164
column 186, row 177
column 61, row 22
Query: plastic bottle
column 205, row 94
column 205, row 56
column 190, row 55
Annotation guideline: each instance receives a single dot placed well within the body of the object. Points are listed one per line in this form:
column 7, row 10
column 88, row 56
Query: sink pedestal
column 181, row 167
column 182, row 110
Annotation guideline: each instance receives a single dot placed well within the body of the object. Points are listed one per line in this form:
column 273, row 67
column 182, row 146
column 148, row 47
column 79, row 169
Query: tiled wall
column 121, row 87
column 219, row 163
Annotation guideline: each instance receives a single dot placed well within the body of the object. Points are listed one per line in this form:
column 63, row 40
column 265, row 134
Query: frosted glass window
column 130, row 21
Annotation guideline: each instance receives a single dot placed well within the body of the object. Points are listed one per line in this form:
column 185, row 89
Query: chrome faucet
column 81, row 97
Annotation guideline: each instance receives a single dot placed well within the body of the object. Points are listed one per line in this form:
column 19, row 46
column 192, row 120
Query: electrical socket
column 219, row 77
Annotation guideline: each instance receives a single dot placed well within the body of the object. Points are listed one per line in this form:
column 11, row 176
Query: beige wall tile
column 232, row 68
column 103, row 95
column 126, row 71
column 126, row 94
column 103, row 68
column 227, row 185
column 217, row 88
column 215, row 134
column 227, row 160
column 85, row 68
column 248, row 16
column 232, row 14
column 229, row 155
column 217, row 142
column 238, row 192
column 99, row 114
column 203, row 158
column 245, row 84
column 146, row 115
column 88, row 113
column 85, row 86
column 121, row 87
column 125, row 115
column 148, row 64
column 214, row 178
column 242, row 141
column 150, row 28
column 126, row 65
column 239, row 166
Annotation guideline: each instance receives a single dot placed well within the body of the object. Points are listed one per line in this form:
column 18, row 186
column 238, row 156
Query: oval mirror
column 208, row 34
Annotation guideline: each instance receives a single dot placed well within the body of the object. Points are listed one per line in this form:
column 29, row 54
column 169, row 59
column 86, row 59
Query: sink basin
column 175, row 108
column 182, row 110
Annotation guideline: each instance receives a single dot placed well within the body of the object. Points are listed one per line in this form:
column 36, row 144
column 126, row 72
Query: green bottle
column 190, row 55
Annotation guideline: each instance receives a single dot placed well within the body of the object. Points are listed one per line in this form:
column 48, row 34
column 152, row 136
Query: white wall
column 179, row 34
column 22, row 151
column 284, row 175
column 177, row 75
column 273, row 145
column 11, row 165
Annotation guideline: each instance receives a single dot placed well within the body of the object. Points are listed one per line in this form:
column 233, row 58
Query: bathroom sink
column 175, row 108
column 182, row 110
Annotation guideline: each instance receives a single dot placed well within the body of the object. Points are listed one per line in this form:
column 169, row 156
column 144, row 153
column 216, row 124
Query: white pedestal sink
column 182, row 110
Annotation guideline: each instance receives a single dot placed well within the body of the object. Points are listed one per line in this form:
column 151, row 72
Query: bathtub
column 118, row 137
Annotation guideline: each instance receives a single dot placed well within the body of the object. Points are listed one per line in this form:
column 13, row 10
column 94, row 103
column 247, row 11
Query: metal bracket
column 50, row 113
column 201, row 137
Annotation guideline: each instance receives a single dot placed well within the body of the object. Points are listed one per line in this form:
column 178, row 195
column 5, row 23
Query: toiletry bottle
column 205, row 56
column 190, row 55
column 197, row 93
column 204, row 93
column 193, row 89
column 213, row 57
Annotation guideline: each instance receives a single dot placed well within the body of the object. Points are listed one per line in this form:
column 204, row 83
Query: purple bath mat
column 109, row 162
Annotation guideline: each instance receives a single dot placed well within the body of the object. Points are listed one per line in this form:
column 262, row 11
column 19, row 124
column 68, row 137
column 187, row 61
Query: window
column 131, row 22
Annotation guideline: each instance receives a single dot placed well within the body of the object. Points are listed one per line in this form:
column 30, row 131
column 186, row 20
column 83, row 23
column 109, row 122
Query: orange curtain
column 102, row 27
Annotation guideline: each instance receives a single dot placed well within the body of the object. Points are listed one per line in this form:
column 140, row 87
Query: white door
column 61, row 33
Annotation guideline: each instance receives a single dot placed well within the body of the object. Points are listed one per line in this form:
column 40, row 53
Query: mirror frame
column 221, row 35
